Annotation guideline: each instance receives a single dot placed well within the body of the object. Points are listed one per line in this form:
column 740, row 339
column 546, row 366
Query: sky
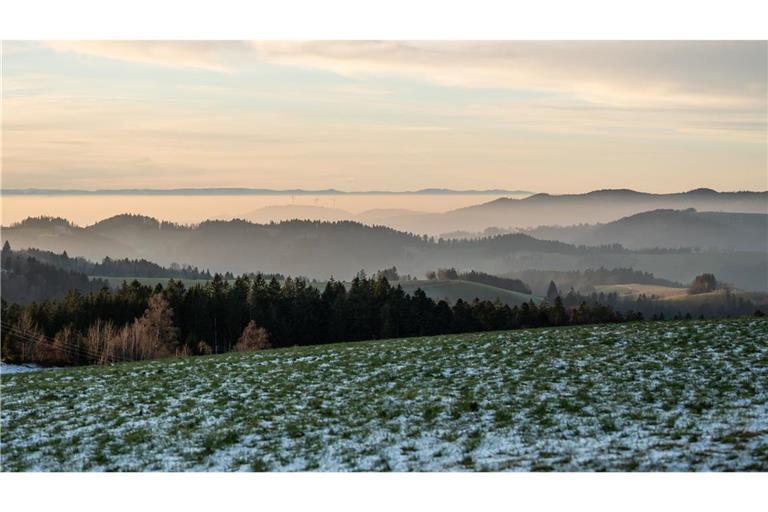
column 558, row 117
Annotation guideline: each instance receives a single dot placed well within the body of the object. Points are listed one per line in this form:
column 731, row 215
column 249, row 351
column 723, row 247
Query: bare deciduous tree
column 252, row 338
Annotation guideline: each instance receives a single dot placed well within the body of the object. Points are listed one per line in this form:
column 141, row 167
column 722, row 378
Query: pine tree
column 558, row 315
column 552, row 292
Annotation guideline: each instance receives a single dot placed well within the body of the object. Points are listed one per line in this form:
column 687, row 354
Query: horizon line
column 190, row 191
column 253, row 191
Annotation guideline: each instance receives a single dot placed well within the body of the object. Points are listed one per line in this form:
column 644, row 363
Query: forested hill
column 539, row 280
column 109, row 267
column 670, row 228
column 26, row 279
column 296, row 246
column 599, row 206
column 340, row 249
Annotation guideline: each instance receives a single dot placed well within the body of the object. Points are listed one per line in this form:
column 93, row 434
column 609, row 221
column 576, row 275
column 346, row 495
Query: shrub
column 203, row 348
column 150, row 336
column 252, row 338
column 21, row 343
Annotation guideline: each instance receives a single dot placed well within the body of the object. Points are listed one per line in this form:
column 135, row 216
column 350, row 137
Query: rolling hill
column 340, row 249
column 679, row 297
column 633, row 290
column 309, row 248
column 649, row 396
column 451, row 291
column 551, row 211
column 281, row 213
column 670, row 228
column 598, row 206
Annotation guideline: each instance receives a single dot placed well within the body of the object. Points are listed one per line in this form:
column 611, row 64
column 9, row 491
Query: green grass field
column 638, row 397
column 633, row 290
column 451, row 291
column 719, row 296
column 667, row 293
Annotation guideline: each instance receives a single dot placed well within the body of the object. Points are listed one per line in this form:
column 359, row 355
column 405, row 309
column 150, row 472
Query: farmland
column 680, row 297
column 653, row 396
column 452, row 290
column 633, row 290
column 455, row 289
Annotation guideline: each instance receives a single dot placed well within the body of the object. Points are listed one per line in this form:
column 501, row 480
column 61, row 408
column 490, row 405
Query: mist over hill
column 279, row 213
column 671, row 229
column 593, row 207
column 322, row 249
column 541, row 210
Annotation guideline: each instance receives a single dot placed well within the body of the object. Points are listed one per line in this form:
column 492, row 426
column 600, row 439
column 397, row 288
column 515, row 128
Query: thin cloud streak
column 615, row 73
column 535, row 115
column 650, row 73
column 205, row 55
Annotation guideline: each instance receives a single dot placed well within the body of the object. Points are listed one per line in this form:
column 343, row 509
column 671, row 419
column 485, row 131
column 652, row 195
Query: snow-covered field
column 6, row 368
column 639, row 397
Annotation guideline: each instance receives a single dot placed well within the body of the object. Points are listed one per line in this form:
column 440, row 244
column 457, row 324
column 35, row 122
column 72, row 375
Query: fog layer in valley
column 675, row 245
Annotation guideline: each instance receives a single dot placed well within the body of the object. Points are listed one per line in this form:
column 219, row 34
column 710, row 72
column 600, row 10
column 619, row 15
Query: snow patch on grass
column 672, row 396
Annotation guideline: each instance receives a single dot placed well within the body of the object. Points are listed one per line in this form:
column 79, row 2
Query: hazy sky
column 541, row 116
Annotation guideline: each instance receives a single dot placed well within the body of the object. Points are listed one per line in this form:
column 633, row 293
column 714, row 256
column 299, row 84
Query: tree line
column 505, row 283
column 25, row 279
column 139, row 321
column 114, row 267
column 30, row 275
column 583, row 280
column 651, row 307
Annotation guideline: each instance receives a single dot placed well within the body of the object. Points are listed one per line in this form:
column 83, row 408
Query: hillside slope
column 27, row 279
column 592, row 207
column 340, row 249
column 310, row 248
column 670, row 228
column 451, row 291
column 656, row 396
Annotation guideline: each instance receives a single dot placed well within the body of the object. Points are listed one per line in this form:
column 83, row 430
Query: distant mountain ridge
column 506, row 213
column 310, row 248
column 669, row 228
column 509, row 214
column 598, row 206
column 323, row 249
column 254, row 191
column 279, row 213
column 625, row 193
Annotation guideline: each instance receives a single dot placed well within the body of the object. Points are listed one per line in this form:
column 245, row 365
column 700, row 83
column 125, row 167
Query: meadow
column 647, row 396
column 649, row 290
column 453, row 290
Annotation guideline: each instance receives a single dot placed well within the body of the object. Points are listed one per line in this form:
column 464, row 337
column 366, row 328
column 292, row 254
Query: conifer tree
column 552, row 292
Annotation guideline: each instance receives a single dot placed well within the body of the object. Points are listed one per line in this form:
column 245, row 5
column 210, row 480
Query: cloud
column 426, row 110
column 631, row 74
column 634, row 74
column 206, row 55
